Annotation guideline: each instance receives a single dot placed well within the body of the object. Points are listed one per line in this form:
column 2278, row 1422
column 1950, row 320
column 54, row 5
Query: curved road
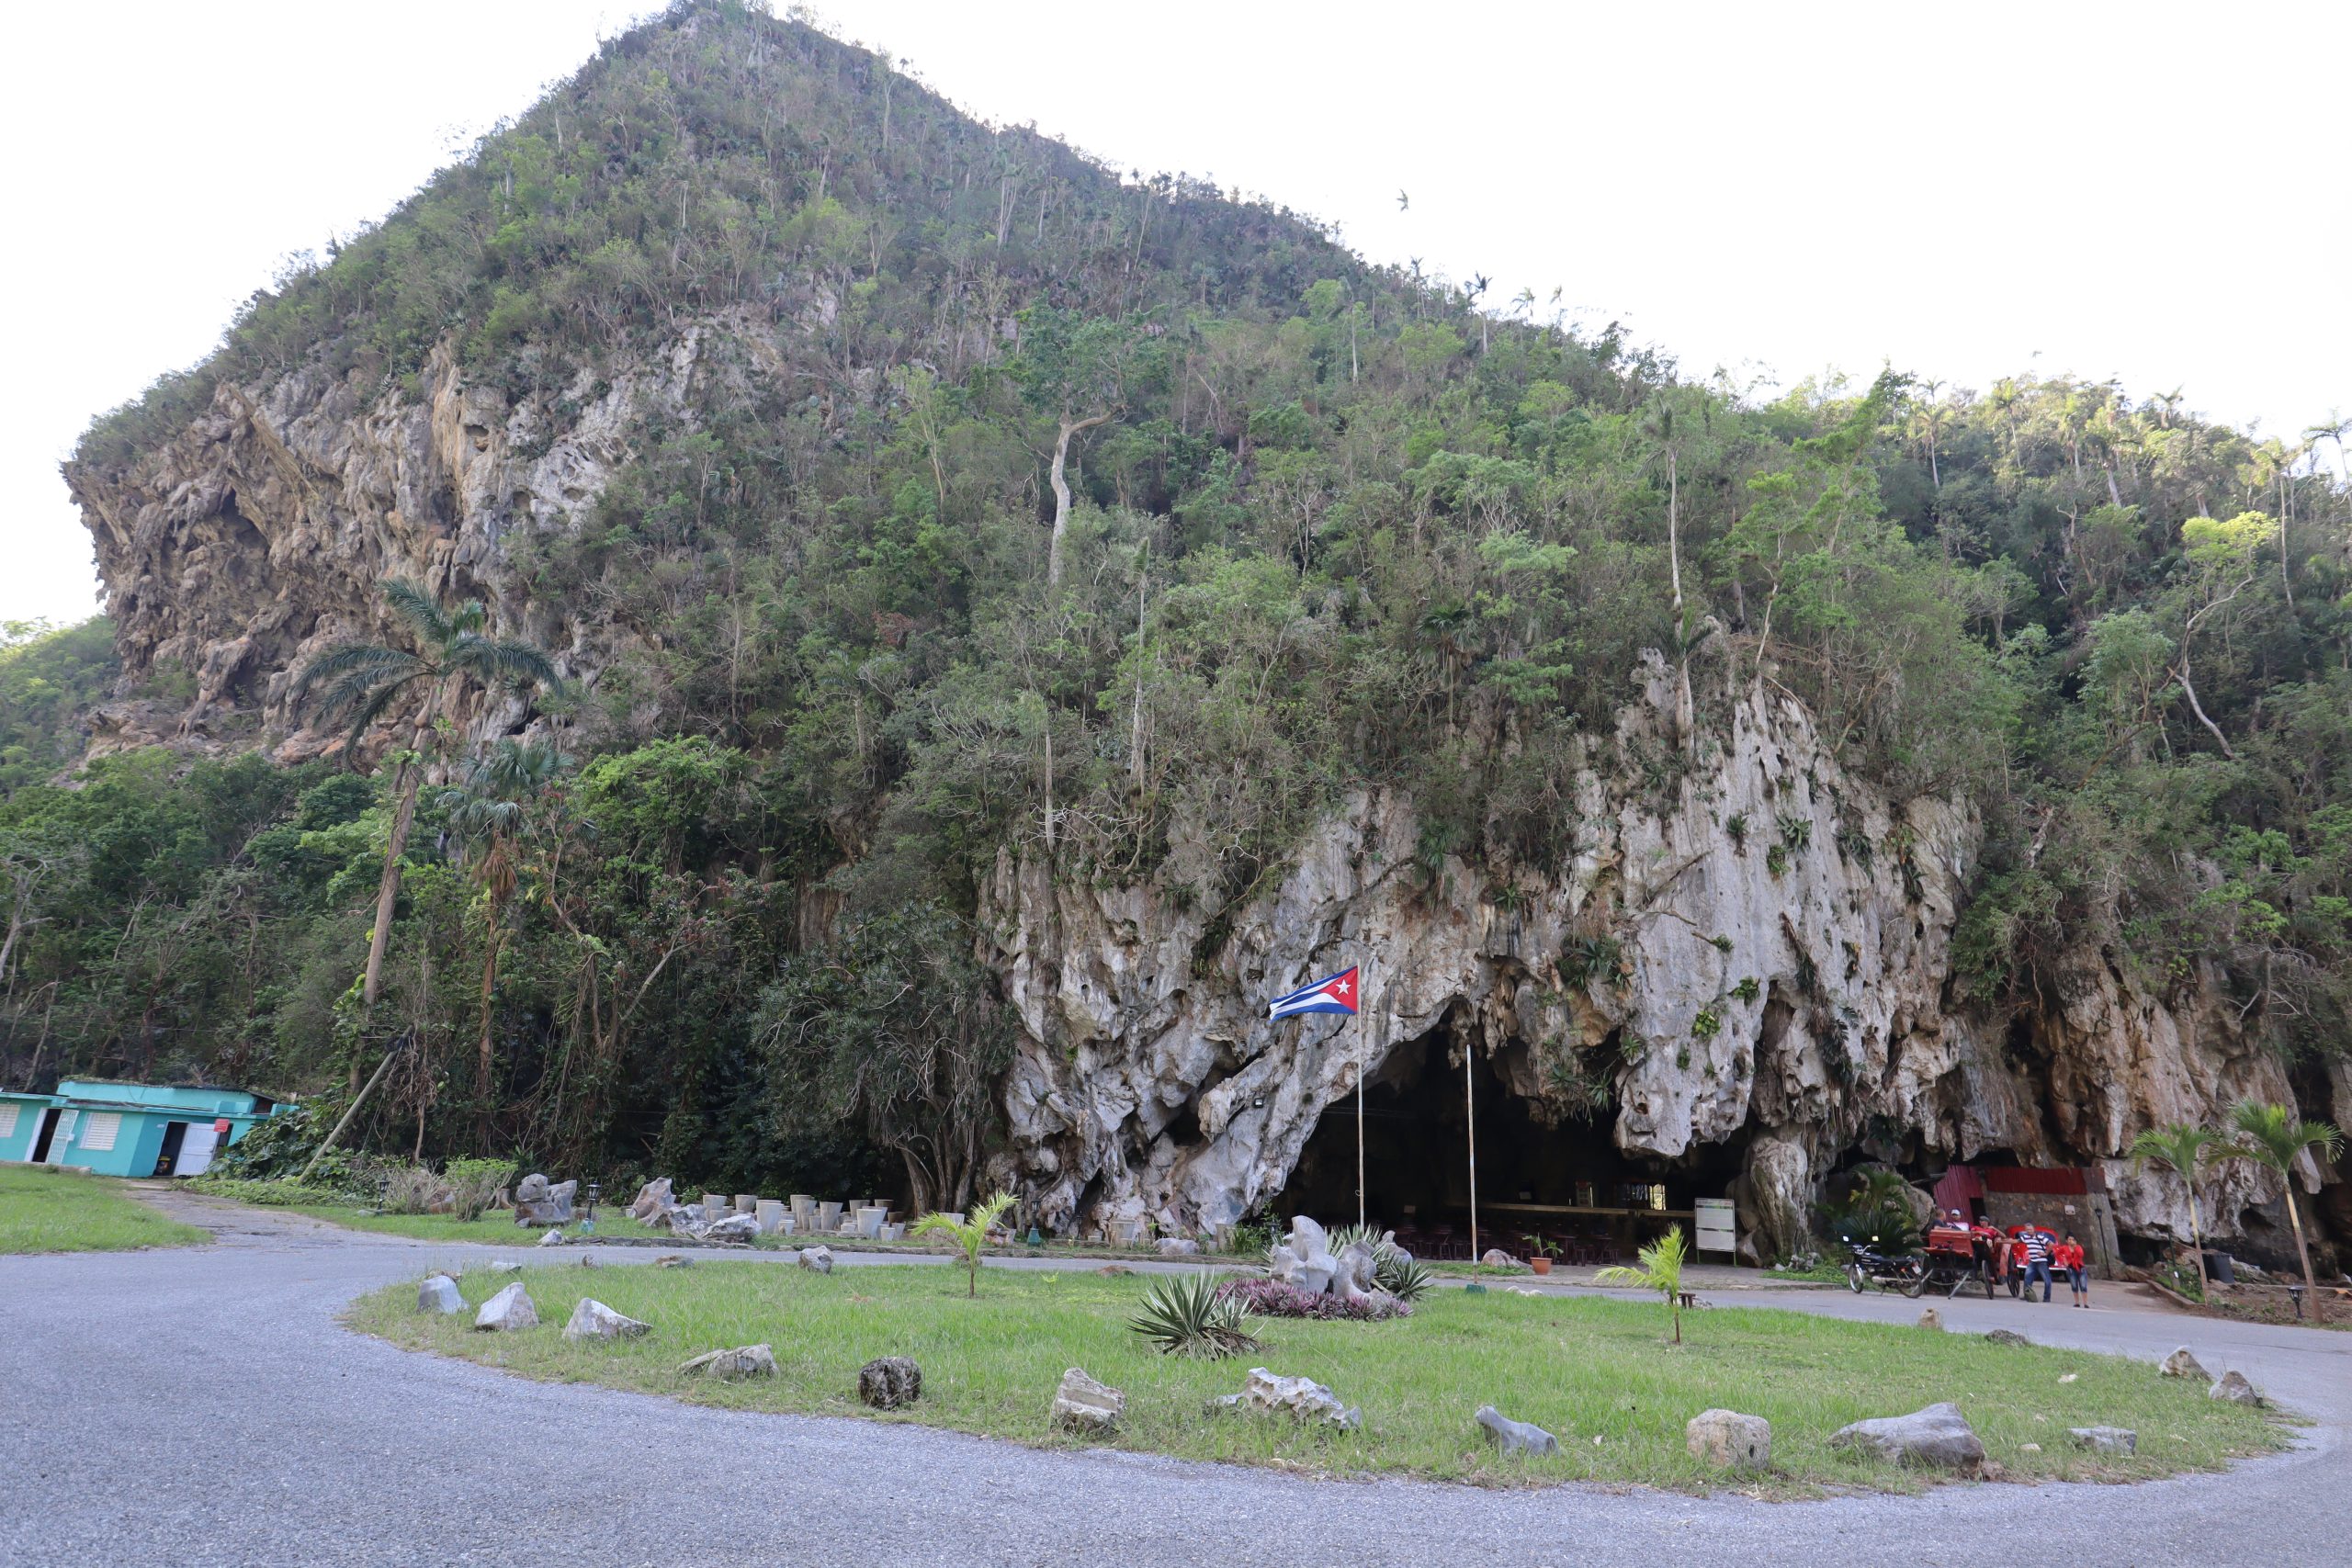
column 201, row 1406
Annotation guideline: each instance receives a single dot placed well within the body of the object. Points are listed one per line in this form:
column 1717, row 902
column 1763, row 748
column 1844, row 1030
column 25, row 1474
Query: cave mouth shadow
column 1535, row 1174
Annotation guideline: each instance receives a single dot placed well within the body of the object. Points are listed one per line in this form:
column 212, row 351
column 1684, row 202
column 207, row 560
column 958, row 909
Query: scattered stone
column 500, row 1266
column 2181, row 1364
column 1938, row 1436
column 2105, row 1439
column 511, row 1308
column 2007, row 1336
column 1114, row 1269
column 1304, row 1258
column 888, row 1382
column 1517, row 1436
column 1729, row 1440
column 538, row 1203
column 669, row 1260
column 592, row 1319
column 2068, row 1377
column 1495, row 1257
column 2029, row 1448
column 1302, row 1399
column 820, row 1259
column 1931, row 1318
column 1178, row 1247
column 587, row 1261
column 1081, row 1405
column 553, row 1238
column 439, row 1293
column 2234, row 1387
column 732, row 1366
column 654, row 1201
column 734, row 1227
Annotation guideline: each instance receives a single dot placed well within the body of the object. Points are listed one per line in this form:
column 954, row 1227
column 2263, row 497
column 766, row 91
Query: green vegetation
column 1584, row 1369
column 1032, row 517
column 2187, row 1151
column 969, row 1233
column 1187, row 1314
column 1660, row 1270
column 2272, row 1136
column 45, row 1210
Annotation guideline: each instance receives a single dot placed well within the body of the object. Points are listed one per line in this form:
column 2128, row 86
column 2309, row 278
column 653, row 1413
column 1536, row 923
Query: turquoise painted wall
column 18, row 1144
column 139, row 1132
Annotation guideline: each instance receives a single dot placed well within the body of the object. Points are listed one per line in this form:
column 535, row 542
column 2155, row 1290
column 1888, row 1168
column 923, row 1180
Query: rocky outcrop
column 1757, row 954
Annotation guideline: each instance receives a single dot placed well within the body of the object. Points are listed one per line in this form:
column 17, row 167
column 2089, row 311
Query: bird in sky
column 1403, row 201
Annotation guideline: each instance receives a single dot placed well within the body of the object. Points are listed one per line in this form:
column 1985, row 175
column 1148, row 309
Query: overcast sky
column 2128, row 190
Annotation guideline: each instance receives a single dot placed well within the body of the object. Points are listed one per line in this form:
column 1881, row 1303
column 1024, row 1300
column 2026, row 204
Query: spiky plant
column 1661, row 1271
column 1393, row 1268
column 1406, row 1279
column 356, row 683
column 1185, row 1314
column 2270, row 1135
column 969, row 1235
column 2187, row 1151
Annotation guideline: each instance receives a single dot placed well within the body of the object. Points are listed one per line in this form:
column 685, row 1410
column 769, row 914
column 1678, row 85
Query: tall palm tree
column 2187, row 1152
column 2270, row 1134
column 489, row 814
column 359, row 682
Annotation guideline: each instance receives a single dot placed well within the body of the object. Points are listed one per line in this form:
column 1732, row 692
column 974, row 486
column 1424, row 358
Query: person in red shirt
column 2068, row 1257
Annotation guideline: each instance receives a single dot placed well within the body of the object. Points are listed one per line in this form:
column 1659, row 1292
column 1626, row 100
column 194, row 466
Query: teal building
column 127, row 1128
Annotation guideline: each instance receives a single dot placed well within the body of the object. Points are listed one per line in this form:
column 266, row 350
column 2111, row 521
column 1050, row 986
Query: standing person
column 2069, row 1257
column 2037, row 1260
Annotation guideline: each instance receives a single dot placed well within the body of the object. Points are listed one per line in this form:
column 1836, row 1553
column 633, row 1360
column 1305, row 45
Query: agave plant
column 1393, row 1268
column 1185, row 1314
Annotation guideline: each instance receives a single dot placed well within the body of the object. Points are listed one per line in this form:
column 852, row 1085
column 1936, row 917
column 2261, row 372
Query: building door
column 57, row 1136
column 197, row 1143
column 167, row 1158
column 42, row 1139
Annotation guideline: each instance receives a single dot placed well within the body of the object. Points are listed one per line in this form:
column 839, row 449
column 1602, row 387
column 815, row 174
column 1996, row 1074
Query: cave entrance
column 1566, row 1181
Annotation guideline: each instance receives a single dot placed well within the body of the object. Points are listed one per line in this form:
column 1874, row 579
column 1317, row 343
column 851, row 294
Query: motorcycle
column 1870, row 1264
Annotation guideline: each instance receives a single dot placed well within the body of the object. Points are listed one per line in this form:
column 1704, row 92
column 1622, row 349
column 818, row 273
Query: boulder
column 1729, row 1440
column 1930, row 1318
column 439, row 1293
column 731, row 1366
column 672, row 1260
column 2007, row 1336
column 654, row 1201
column 536, row 1202
column 2105, row 1439
column 734, row 1227
column 592, row 1319
column 1302, row 1399
column 553, row 1238
column 2181, row 1364
column 820, row 1258
column 1081, row 1405
column 685, row 1221
column 888, row 1382
column 1178, row 1247
column 1304, row 1258
column 1938, row 1436
column 1517, row 1438
column 1495, row 1257
column 2234, row 1387
column 1355, row 1278
column 511, row 1308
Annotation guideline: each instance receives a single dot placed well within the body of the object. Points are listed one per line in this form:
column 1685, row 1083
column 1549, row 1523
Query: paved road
column 202, row 1406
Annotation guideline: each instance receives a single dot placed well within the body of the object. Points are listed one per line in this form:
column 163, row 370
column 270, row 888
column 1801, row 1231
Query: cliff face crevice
column 1760, row 957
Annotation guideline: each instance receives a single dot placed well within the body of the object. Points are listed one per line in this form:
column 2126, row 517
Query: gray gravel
column 202, row 1406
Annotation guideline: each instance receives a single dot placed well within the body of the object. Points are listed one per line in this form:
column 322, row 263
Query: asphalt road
column 202, row 1406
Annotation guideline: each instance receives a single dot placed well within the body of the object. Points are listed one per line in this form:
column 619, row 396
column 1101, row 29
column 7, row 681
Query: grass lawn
column 1593, row 1370
column 47, row 1210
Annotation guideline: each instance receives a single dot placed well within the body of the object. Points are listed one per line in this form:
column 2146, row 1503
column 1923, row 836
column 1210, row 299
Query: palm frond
column 514, row 664
column 373, row 659
column 364, row 717
column 412, row 604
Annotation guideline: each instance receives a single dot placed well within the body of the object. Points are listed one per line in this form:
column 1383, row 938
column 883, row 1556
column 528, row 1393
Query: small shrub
column 1189, row 1314
column 1277, row 1298
column 412, row 1189
column 474, row 1182
column 1736, row 826
column 1707, row 1025
column 1747, row 989
column 1796, row 832
column 1776, row 860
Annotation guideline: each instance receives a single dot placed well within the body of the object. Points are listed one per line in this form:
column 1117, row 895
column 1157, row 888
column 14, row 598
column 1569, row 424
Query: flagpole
column 1470, row 1111
column 1359, row 1204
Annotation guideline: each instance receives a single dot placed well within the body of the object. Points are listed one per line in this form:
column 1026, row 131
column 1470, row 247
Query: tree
column 488, row 813
column 359, row 682
column 1074, row 369
column 1660, row 1270
column 2187, row 1151
column 2220, row 566
column 2270, row 1136
column 969, row 1235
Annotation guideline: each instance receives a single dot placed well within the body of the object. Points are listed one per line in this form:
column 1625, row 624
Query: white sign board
column 1714, row 1220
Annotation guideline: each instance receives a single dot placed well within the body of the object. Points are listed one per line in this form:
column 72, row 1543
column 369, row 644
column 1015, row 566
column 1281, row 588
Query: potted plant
column 1541, row 1250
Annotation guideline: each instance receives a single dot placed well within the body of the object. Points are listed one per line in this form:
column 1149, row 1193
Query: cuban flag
column 1337, row 994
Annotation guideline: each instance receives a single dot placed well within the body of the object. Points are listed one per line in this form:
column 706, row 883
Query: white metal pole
column 1359, row 1204
column 1470, row 1109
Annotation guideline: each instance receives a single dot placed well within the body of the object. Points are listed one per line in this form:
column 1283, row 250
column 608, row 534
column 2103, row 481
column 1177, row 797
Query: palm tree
column 1661, row 1271
column 2269, row 1135
column 488, row 812
column 2187, row 1151
column 359, row 683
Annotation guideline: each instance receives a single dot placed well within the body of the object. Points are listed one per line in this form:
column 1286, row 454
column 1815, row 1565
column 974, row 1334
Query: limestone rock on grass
column 1728, row 1439
column 654, row 1199
column 1178, row 1247
column 1302, row 1399
column 2181, row 1364
column 820, row 1258
column 2105, row 1439
column 1082, row 1404
column 592, row 1319
column 731, row 1366
column 671, row 1260
column 2234, row 1387
column 888, row 1382
column 1517, row 1438
column 553, row 1238
column 734, row 1227
column 1495, row 1257
column 510, row 1309
column 2007, row 1336
column 1938, row 1437
column 439, row 1293
column 1930, row 1318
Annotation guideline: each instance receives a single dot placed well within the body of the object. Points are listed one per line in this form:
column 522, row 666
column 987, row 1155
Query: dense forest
column 1123, row 520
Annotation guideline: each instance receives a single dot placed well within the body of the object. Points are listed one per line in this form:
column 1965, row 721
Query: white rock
column 732, row 1366
column 1728, row 1439
column 2105, row 1439
column 1938, row 1436
column 439, row 1293
column 820, row 1258
column 2234, row 1387
column 1178, row 1247
column 1495, row 1257
column 1081, row 1405
column 734, row 1227
column 592, row 1319
column 511, row 1308
column 2181, row 1364
column 1516, row 1439
column 1302, row 1399
column 553, row 1238
column 1930, row 1318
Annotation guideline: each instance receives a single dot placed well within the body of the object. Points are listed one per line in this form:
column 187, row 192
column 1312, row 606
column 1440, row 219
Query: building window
column 98, row 1132
column 8, row 1120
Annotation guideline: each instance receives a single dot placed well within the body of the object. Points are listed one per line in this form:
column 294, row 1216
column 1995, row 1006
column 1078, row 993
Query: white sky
column 2162, row 195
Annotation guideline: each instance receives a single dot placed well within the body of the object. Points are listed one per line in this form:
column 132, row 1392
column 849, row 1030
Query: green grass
column 1586, row 1368
column 48, row 1210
